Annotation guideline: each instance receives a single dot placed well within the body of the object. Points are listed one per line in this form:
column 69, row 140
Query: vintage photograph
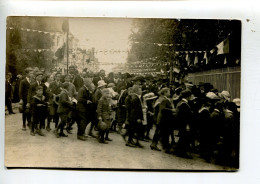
column 122, row 93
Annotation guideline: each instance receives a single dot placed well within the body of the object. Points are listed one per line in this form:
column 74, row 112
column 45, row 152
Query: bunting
column 39, row 31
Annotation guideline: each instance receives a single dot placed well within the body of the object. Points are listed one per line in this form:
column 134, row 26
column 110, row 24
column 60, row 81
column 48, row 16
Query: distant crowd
column 185, row 119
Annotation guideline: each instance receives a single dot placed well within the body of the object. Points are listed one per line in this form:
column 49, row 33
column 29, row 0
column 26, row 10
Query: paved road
column 24, row 150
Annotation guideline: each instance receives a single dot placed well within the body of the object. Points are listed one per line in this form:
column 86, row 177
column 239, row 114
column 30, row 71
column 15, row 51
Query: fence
column 222, row 79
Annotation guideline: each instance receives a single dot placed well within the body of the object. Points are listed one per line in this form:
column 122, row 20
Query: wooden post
column 67, row 40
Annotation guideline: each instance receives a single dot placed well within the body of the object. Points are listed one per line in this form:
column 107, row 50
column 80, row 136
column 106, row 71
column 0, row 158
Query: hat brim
column 102, row 85
column 151, row 98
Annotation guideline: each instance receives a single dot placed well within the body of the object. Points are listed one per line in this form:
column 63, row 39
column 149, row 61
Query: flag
column 225, row 61
column 223, row 47
column 196, row 60
column 206, row 58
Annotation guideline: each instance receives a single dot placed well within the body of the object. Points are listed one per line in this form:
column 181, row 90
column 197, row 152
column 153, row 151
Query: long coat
column 23, row 90
column 8, row 90
column 184, row 115
column 135, row 109
column 121, row 110
column 104, row 109
column 165, row 112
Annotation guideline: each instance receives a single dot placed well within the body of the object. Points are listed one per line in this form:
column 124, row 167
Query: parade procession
column 143, row 89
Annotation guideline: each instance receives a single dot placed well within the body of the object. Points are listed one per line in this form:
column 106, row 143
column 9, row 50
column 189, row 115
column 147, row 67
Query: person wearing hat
column 23, row 93
column 135, row 116
column 32, row 89
column 76, row 79
column 65, row 106
column 114, row 96
column 8, row 93
column 149, row 99
column 203, row 125
column 16, row 83
column 101, row 76
column 230, row 136
column 54, row 90
column 85, row 109
column 164, row 121
column 98, row 93
column 104, row 116
column 184, row 119
column 39, row 107
column 121, row 110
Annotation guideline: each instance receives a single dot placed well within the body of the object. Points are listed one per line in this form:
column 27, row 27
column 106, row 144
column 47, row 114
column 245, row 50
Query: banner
column 223, row 47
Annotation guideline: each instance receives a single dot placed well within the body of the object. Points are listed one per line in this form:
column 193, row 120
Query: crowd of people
column 188, row 119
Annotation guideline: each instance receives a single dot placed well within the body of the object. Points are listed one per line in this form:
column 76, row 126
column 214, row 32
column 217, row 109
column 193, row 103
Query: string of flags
column 158, row 44
column 39, row 31
column 35, row 50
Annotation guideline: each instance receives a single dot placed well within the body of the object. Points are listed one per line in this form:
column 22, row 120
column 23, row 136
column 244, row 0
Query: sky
column 104, row 34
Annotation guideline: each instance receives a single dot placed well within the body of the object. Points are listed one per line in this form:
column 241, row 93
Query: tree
column 168, row 39
column 25, row 47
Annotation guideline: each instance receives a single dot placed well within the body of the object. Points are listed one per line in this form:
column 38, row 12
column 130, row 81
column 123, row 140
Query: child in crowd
column 39, row 111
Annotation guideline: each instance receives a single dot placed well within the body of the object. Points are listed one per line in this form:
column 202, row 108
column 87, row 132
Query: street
column 24, row 150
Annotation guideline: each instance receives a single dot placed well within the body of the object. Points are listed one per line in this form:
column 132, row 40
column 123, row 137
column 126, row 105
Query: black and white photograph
column 152, row 94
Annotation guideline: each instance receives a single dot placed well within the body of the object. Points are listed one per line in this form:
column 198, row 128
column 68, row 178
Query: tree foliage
column 150, row 36
column 22, row 46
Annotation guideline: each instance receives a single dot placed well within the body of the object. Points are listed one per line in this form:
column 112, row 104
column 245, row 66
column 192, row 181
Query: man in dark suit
column 76, row 79
column 184, row 117
column 85, row 108
column 8, row 93
column 164, row 121
column 23, row 93
column 135, row 116
column 32, row 90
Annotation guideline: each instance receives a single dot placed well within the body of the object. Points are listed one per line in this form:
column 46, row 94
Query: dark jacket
column 55, row 87
column 8, row 89
column 23, row 90
column 121, row 110
column 39, row 110
column 135, row 109
column 32, row 91
column 65, row 105
column 104, row 109
column 184, row 115
column 77, row 81
column 165, row 112
column 97, row 95
column 84, row 96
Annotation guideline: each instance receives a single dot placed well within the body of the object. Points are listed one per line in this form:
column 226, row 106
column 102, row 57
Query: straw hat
column 101, row 83
column 111, row 85
column 149, row 96
column 212, row 96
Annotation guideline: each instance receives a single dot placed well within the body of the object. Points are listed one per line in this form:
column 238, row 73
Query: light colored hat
column 149, row 96
column 163, row 90
column 189, row 85
column 101, row 83
column 226, row 95
column 111, row 85
column 237, row 101
column 212, row 96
